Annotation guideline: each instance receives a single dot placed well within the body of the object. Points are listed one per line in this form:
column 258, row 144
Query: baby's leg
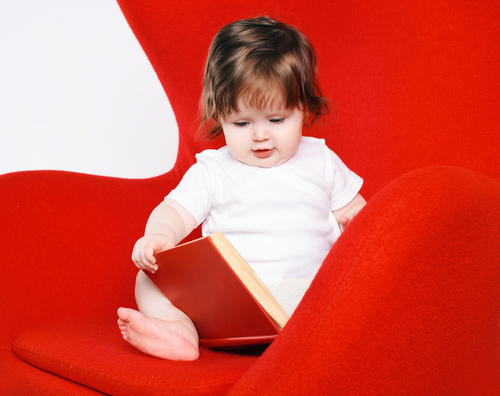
column 158, row 328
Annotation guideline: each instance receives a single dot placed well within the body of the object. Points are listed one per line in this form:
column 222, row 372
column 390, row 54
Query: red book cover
column 198, row 280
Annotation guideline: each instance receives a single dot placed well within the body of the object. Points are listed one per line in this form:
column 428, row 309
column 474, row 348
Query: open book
column 230, row 306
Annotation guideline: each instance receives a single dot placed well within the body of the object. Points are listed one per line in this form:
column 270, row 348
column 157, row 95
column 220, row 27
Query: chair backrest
column 414, row 84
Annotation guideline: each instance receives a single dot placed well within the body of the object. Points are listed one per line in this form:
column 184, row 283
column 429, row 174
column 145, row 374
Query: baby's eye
column 276, row 120
column 241, row 124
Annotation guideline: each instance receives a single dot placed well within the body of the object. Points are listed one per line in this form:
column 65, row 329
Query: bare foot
column 173, row 340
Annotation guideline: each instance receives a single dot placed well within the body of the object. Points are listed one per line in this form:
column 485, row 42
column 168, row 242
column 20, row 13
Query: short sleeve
column 193, row 192
column 346, row 183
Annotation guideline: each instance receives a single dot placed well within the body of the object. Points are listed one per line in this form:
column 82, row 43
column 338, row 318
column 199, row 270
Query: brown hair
column 266, row 62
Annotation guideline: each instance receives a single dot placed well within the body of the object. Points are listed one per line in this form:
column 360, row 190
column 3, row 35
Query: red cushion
column 91, row 352
column 18, row 378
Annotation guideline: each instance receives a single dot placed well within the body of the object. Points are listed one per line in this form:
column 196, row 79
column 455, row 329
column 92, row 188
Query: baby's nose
column 260, row 134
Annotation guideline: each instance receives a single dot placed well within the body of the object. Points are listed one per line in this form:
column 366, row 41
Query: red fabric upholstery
column 398, row 304
column 65, row 250
column 92, row 352
column 413, row 84
column 20, row 379
column 406, row 303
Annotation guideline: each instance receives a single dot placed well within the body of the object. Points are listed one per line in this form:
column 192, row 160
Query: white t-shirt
column 279, row 219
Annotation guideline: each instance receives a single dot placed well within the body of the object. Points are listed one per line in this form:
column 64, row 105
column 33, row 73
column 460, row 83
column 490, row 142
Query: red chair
column 408, row 300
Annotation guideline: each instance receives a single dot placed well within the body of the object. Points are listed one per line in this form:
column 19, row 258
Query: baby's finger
column 140, row 260
column 146, row 266
column 148, row 260
column 343, row 222
column 149, row 255
column 150, row 267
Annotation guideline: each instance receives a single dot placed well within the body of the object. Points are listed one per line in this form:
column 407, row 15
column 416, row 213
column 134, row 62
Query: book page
column 248, row 276
column 289, row 292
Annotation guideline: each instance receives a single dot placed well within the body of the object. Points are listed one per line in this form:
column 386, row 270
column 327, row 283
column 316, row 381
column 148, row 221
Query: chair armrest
column 65, row 244
column 408, row 298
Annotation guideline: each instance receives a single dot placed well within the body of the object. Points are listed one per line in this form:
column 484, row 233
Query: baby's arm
column 346, row 214
column 168, row 224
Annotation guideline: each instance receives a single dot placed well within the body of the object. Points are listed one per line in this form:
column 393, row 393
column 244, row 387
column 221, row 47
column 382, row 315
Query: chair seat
column 18, row 378
column 91, row 352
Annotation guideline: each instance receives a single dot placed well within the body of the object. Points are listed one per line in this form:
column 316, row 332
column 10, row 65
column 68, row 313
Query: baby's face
column 263, row 138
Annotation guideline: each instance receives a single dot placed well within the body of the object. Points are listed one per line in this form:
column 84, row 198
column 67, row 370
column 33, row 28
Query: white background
column 77, row 92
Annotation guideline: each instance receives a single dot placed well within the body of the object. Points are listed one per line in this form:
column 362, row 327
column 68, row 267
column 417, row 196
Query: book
column 230, row 306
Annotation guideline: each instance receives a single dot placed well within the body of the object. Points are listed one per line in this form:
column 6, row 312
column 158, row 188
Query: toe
column 125, row 314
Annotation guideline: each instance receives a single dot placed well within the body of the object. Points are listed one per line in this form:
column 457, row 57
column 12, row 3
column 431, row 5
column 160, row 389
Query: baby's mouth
column 263, row 153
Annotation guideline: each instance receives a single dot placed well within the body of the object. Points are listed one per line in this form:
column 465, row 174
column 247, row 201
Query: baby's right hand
column 144, row 248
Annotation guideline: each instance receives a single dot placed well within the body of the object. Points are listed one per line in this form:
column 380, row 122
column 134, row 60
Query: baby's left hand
column 345, row 215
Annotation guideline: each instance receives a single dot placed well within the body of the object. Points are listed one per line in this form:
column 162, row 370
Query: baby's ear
column 308, row 118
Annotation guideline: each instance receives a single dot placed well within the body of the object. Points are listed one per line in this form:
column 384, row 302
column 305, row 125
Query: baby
column 280, row 198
